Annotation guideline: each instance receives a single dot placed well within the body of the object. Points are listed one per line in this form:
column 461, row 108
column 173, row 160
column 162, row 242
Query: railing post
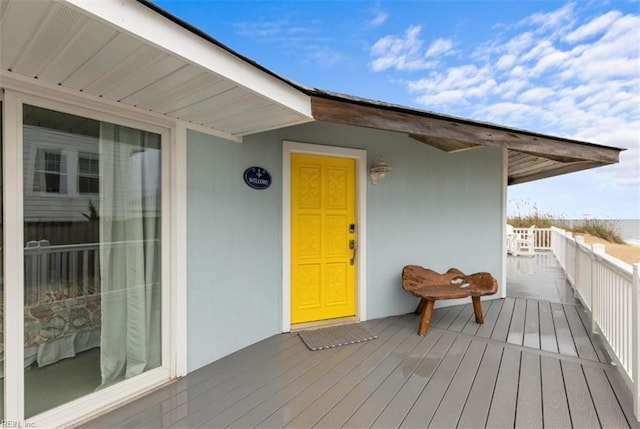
column 635, row 340
column 595, row 249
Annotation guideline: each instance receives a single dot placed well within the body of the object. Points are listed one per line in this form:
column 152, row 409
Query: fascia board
column 150, row 27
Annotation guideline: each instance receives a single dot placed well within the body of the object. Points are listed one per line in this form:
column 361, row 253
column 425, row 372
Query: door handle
column 352, row 246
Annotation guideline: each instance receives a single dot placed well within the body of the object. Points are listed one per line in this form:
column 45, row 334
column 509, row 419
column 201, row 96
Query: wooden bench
column 431, row 286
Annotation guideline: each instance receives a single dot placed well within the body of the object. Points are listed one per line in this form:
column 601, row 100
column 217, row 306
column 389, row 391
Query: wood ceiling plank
column 557, row 171
column 449, row 146
column 425, row 124
column 532, row 167
column 524, row 160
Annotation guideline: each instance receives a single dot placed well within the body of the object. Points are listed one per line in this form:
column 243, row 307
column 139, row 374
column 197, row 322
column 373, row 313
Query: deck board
column 516, row 327
column 272, row 403
column 529, row 406
column 554, row 397
column 300, row 402
column 395, row 412
column 548, row 339
column 359, row 393
column 453, row 402
column 581, row 407
column 463, row 318
column 620, row 389
column 317, row 409
column 581, row 339
column 490, row 319
column 427, row 402
column 476, row 408
column 449, row 317
column 532, row 325
column 604, row 399
column 471, row 327
column 501, row 328
column 371, row 409
column 503, row 406
column 563, row 333
column 533, row 363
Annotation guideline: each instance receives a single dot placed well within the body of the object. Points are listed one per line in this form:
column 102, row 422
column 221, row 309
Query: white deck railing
column 542, row 237
column 609, row 289
column 68, row 270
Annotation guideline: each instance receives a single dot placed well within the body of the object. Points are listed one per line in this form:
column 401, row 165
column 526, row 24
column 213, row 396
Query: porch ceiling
column 531, row 156
column 125, row 52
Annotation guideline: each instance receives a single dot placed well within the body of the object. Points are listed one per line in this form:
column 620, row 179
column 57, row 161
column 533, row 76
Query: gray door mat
column 335, row 336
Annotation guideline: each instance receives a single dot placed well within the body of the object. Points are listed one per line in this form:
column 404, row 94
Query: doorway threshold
column 323, row 323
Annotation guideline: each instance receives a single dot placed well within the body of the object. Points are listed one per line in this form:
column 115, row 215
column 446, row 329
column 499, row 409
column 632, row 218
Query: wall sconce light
column 379, row 171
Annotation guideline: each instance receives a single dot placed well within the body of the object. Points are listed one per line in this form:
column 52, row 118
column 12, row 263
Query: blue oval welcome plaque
column 257, row 178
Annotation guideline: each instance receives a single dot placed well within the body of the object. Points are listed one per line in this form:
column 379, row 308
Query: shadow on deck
column 532, row 364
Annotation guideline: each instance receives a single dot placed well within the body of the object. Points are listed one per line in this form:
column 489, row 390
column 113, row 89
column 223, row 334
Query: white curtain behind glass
column 129, row 252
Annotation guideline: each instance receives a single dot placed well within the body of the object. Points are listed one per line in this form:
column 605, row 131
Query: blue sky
column 570, row 69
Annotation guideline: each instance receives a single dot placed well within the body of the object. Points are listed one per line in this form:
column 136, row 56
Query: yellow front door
column 323, row 237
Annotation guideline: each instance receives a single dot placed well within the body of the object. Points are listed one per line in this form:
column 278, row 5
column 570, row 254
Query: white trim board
column 360, row 156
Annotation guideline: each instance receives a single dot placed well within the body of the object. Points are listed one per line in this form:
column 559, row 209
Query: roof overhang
column 532, row 156
column 129, row 52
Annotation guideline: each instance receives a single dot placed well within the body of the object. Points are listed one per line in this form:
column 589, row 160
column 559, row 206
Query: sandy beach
column 625, row 252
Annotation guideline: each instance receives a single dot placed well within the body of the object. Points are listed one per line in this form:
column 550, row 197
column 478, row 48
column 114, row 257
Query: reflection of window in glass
column 50, row 172
column 88, row 174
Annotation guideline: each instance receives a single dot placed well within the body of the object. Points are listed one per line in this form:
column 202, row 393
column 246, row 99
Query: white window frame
column 79, row 174
column 63, row 176
column 174, row 341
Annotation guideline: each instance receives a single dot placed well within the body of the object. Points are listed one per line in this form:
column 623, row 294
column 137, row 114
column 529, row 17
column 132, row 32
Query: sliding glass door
column 92, row 220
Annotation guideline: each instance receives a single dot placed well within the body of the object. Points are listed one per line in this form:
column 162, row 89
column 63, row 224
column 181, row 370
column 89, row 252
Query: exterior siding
column 435, row 209
column 234, row 246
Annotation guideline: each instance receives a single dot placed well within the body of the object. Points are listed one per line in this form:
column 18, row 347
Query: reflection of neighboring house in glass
column 62, row 176
column 60, row 167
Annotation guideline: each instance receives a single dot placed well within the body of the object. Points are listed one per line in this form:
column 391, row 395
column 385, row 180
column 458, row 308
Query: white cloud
column 406, row 53
column 439, row 47
column 379, row 18
column 278, row 30
column 595, row 26
column 536, row 95
column 552, row 21
column 555, row 73
column 506, row 61
column 324, row 56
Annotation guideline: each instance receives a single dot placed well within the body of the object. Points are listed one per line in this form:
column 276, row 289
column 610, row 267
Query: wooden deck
column 532, row 364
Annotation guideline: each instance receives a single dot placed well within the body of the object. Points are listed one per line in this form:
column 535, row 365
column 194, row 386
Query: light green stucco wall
column 435, row 209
